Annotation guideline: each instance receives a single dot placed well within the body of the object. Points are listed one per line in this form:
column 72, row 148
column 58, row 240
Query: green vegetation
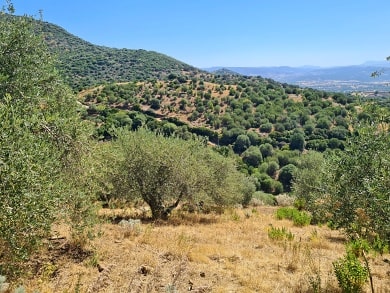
column 167, row 134
column 84, row 64
column 231, row 111
column 165, row 171
column 350, row 188
column 279, row 234
column 351, row 274
column 299, row 218
column 41, row 147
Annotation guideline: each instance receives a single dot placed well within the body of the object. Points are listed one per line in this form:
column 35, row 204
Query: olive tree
column 164, row 171
column 41, row 143
column 286, row 175
column 350, row 188
column 310, row 185
column 361, row 179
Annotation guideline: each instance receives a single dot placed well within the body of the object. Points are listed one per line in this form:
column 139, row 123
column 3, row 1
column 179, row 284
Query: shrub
column 350, row 273
column 261, row 198
column 279, row 234
column 299, row 218
column 284, row 200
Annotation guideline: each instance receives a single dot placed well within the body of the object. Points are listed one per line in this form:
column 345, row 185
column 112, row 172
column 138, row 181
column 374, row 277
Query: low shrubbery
column 278, row 234
column 262, row 198
column 299, row 218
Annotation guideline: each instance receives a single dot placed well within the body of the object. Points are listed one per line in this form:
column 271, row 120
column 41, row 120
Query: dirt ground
column 232, row 252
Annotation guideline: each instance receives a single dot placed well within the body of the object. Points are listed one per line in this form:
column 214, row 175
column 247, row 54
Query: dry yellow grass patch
column 295, row 98
column 231, row 252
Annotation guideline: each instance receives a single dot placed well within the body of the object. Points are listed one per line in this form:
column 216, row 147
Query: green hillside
column 85, row 64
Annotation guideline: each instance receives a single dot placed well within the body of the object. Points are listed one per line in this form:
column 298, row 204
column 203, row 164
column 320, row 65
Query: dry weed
column 230, row 252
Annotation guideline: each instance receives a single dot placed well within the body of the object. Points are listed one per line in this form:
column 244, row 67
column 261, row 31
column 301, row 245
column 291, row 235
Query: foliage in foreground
column 165, row 171
column 41, row 146
column 351, row 189
column 351, row 274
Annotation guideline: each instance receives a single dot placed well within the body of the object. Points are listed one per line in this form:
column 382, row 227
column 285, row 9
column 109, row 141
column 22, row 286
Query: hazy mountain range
column 342, row 78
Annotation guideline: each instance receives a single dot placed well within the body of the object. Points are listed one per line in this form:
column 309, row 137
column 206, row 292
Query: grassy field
column 238, row 251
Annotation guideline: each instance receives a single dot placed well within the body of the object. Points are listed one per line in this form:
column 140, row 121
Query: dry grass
column 204, row 253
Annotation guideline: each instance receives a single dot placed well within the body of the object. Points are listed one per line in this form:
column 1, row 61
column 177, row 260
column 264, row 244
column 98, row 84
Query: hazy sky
column 206, row 33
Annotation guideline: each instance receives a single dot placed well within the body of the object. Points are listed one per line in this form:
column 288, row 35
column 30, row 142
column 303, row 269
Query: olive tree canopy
column 165, row 171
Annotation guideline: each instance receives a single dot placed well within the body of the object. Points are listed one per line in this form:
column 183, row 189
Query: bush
column 350, row 273
column 279, row 234
column 299, row 218
column 261, row 198
column 284, row 200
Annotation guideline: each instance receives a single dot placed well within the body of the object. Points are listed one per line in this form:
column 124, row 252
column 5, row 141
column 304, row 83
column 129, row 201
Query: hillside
column 85, row 64
column 224, row 107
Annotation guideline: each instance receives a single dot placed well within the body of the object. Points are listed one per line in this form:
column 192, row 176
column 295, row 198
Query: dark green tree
column 267, row 150
column 286, row 175
column 242, row 143
column 297, row 141
column 252, row 156
column 272, row 168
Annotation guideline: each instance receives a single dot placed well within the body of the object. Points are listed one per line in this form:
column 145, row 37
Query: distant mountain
column 343, row 78
column 224, row 71
column 85, row 64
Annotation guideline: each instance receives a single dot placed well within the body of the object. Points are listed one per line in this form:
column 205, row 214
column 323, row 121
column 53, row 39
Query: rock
column 144, row 270
column 4, row 287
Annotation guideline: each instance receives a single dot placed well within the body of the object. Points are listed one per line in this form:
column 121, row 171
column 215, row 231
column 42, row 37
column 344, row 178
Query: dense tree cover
column 221, row 104
column 231, row 111
column 42, row 143
column 165, row 171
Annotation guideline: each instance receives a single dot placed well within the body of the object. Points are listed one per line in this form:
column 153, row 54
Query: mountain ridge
column 84, row 64
column 337, row 78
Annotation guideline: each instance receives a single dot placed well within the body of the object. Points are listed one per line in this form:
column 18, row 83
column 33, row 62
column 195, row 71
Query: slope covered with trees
column 84, row 64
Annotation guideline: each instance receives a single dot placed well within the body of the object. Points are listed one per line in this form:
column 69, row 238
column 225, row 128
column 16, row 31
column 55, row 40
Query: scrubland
column 235, row 251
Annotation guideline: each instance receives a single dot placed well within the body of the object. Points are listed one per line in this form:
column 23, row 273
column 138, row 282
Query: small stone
column 144, row 270
column 4, row 287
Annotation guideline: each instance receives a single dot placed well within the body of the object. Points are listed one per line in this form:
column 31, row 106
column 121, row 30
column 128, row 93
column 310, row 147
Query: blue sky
column 206, row 33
